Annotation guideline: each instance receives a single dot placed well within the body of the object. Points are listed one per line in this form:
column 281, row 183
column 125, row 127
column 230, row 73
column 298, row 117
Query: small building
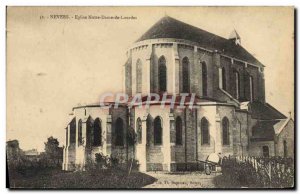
column 32, row 155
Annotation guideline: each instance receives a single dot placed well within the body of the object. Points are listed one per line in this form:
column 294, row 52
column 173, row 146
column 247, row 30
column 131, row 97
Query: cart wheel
column 207, row 169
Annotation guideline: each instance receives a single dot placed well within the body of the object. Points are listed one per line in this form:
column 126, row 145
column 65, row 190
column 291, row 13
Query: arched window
column 79, row 132
column 225, row 130
column 128, row 77
column 139, row 72
column 204, row 79
column 162, row 73
column 73, row 131
column 204, row 131
column 265, row 150
column 157, row 131
column 89, row 132
column 178, row 131
column 185, row 75
column 97, row 132
column 237, row 84
column 149, row 129
column 139, row 130
column 284, row 149
column 251, row 88
column 119, row 133
column 223, row 78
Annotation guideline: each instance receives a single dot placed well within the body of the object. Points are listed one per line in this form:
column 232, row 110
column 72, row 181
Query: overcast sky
column 53, row 65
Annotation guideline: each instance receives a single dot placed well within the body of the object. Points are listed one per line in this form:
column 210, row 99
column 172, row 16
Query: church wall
column 160, row 154
column 256, row 148
column 156, row 157
column 128, row 75
column 191, row 138
column 83, row 114
column 253, row 71
column 287, row 134
column 226, row 63
column 120, row 151
column 242, row 137
column 195, row 55
column 226, row 111
column 178, row 151
column 207, row 58
column 209, row 112
column 240, row 67
column 186, row 51
column 141, row 53
column 165, row 50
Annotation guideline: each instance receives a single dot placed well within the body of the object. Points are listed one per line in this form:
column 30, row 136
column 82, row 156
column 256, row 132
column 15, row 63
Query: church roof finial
column 235, row 37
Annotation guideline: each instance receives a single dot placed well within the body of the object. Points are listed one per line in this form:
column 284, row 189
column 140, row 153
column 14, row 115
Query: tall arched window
column 237, row 84
column 139, row 130
column 251, row 88
column 185, row 75
column 119, row 133
column 178, row 131
column 225, row 130
column 73, row 131
column 204, row 79
column 89, row 132
column 162, row 73
column 284, row 149
column 128, row 77
column 204, row 131
column 157, row 131
column 149, row 129
column 79, row 132
column 97, row 132
column 223, row 78
column 139, row 71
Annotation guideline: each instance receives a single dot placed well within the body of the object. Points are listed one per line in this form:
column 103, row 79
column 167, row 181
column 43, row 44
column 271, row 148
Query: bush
column 103, row 162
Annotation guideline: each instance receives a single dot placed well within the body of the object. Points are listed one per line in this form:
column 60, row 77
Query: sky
column 56, row 64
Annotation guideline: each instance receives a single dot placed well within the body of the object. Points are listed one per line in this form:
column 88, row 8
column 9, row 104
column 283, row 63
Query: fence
column 274, row 172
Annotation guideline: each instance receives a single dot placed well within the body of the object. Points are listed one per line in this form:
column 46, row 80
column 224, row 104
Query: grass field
column 58, row 179
column 116, row 178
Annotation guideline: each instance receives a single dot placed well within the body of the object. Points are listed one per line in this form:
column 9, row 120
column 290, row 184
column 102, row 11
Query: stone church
column 229, row 116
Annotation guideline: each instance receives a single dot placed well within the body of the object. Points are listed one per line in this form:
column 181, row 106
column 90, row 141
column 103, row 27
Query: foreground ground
column 182, row 180
column 57, row 179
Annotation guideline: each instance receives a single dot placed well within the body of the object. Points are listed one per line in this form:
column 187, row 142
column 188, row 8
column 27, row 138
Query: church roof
column 264, row 111
column 267, row 129
column 168, row 27
column 263, row 131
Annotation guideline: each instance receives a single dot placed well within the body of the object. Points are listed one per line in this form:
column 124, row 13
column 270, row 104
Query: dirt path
column 182, row 180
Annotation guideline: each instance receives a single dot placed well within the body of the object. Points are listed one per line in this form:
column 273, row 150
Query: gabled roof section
column 264, row 111
column 168, row 27
column 278, row 127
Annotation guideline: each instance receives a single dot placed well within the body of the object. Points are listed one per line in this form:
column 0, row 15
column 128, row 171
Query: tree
column 131, row 141
column 53, row 152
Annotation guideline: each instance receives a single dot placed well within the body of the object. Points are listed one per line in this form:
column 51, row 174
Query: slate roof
column 266, row 130
column 263, row 131
column 168, row 27
column 265, row 111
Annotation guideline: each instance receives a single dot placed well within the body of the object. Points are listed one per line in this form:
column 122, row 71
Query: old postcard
column 150, row 97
